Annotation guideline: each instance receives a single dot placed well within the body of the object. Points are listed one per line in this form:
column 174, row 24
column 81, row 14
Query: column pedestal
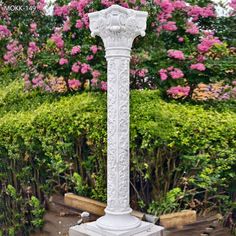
column 91, row 229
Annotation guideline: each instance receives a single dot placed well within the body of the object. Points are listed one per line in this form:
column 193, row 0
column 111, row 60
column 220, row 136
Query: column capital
column 118, row 26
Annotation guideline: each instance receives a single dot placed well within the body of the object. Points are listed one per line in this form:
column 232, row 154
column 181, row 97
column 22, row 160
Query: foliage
column 185, row 44
column 182, row 155
column 20, row 213
column 225, row 29
column 166, row 205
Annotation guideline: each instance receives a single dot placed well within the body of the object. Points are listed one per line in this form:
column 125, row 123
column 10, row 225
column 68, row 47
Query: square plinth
column 91, row 229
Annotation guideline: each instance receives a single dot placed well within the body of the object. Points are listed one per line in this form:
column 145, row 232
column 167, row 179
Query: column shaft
column 118, row 136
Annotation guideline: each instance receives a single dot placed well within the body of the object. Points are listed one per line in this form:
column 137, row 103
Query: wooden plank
column 90, row 205
column 84, row 204
column 178, row 219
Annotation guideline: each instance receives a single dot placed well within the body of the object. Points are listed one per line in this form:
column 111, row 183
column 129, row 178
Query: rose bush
column 183, row 47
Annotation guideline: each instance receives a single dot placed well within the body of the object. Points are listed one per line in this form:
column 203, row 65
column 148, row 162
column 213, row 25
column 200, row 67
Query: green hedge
column 50, row 143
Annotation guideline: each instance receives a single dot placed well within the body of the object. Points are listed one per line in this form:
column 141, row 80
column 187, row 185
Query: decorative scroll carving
column 118, row 26
column 118, row 134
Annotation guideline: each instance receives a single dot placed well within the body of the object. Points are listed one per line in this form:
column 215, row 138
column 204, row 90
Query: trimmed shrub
column 51, row 143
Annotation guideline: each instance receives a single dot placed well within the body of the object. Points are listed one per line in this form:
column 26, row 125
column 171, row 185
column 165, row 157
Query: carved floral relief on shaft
column 118, row 134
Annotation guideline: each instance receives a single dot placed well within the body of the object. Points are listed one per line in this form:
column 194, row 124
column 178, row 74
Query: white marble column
column 118, row 27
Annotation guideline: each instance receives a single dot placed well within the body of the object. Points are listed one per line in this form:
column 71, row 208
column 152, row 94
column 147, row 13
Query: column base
column 91, row 229
column 118, row 222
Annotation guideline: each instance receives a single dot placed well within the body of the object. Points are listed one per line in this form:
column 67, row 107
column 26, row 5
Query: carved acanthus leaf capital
column 118, row 26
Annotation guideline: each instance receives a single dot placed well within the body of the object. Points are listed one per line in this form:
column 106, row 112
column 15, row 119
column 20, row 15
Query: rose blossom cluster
column 63, row 61
column 57, row 39
column 103, row 85
column 4, row 14
column 41, row 4
column 233, row 4
column 198, row 66
column 13, row 50
column 79, row 6
column 33, row 29
column 61, row 10
column 176, row 54
column 175, row 73
column 96, row 83
column 196, row 11
column 108, row 3
column 178, row 92
column 56, row 84
column 168, row 7
column 169, row 26
column 4, row 32
column 75, row 50
column 207, row 42
column 32, row 49
column 192, row 28
column 139, row 72
column 38, row 81
column 76, row 67
column 74, row 84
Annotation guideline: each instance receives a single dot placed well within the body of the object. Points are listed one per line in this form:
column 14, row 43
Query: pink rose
column 170, row 26
column 89, row 57
column 192, row 28
column 201, row 58
column 233, row 4
column 94, row 49
column 74, row 84
column 4, row 32
column 176, row 74
column 66, row 26
column 75, row 50
column 32, row 2
column 85, row 68
column 58, row 40
column 33, row 27
column 63, row 61
column 103, row 86
column 198, row 66
column 142, row 72
column 76, row 67
column 207, row 43
column 163, row 74
column 96, row 74
column 176, row 54
column 94, row 82
column 79, row 24
column 41, row 4
column 178, row 91
column 61, row 10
